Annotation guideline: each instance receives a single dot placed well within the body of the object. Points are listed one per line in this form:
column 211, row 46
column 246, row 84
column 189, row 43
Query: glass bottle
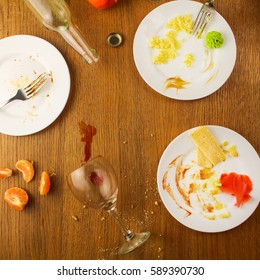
column 55, row 15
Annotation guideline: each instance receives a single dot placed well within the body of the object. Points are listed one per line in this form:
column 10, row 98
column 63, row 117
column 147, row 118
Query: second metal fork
column 28, row 91
column 203, row 18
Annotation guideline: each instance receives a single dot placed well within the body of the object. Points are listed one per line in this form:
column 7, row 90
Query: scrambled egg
column 225, row 215
column 167, row 47
column 188, row 60
column 232, row 150
column 225, row 143
column 181, row 23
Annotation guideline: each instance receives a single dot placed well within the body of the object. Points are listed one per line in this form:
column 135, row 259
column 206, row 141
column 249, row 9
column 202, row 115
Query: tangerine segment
column 45, row 183
column 16, row 197
column 5, row 172
column 26, row 167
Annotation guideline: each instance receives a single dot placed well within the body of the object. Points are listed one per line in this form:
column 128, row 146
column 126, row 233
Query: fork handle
column 7, row 101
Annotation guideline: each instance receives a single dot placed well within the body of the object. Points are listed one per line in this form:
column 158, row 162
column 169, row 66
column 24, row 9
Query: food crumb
column 233, row 151
column 225, row 143
column 51, row 76
column 74, row 217
column 188, row 60
column 225, row 215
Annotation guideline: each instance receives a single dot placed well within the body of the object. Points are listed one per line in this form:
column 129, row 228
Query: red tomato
column 103, row 4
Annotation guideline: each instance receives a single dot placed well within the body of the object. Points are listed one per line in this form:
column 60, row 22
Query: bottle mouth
column 91, row 56
column 75, row 39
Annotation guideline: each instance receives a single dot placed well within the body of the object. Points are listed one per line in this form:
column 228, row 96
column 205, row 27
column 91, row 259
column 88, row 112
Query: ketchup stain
column 87, row 133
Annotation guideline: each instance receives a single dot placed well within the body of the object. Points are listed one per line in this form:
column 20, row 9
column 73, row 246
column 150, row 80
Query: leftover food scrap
column 175, row 82
column 27, row 169
column 214, row 40
column 45, row 183
column 194, row 189
column 5, row 172
column 188, row 60
column 16, row 197
column 237, row 185
column 197, row 186
column 207, row 146
column 169, row 45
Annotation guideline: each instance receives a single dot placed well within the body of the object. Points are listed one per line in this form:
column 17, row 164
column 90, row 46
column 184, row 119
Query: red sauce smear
column 87, row 132
column 238, row 185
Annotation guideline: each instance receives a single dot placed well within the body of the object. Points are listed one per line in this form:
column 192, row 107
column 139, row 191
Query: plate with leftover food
column 177, row 64
column 23, row 58
column 208, row 179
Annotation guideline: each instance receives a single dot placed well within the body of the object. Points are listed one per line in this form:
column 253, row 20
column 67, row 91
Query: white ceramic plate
column 22, row 59
column 247, row 162
column 203, row 81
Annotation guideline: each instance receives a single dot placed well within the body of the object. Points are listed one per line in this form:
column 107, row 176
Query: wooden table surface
column 134, row 126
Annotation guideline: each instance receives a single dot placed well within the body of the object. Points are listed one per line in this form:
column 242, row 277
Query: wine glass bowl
column 95, row 185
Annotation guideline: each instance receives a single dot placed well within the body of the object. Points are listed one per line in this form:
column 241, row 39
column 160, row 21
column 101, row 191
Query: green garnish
column 214, row 40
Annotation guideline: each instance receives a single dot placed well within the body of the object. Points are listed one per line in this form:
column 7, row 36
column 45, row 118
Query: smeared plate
column 210, row 69
column 247, row 163
column 22, row 59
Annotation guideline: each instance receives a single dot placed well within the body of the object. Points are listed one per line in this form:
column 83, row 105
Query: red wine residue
column 96, row 179
column 87, row 132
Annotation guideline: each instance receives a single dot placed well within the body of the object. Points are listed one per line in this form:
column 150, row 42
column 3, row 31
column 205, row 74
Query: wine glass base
column 136, row 241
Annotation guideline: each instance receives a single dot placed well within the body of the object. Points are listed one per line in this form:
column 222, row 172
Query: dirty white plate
column 247, row 163
column 22, row 59
column 211, row 67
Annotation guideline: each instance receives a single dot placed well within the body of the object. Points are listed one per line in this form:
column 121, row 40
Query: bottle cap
column 114, row 39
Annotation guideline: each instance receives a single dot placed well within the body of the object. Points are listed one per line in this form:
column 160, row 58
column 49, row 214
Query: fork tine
column 198, row 20
column 34, row 82
column 203, row 26
column 203, row 19
column 36, row 85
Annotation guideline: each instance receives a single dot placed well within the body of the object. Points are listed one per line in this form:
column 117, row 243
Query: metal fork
column 28, row 91
column 203, row 18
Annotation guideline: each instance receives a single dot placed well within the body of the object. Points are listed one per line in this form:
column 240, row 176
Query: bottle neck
column 72, row 36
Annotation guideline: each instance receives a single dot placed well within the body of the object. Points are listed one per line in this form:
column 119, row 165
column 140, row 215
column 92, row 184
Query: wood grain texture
column 134, row 126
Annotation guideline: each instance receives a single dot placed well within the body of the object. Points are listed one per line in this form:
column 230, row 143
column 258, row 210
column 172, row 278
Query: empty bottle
column 55, row 15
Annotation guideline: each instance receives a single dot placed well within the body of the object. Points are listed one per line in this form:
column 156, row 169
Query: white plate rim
column 185, row 94
column 172, row 151
column 42, row 47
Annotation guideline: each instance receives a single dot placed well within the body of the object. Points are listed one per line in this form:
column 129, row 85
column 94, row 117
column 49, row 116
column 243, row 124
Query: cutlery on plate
column 203, row 18
column 28, row 91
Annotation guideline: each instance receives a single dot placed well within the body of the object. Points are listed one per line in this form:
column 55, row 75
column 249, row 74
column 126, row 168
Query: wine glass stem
column 128, row 234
